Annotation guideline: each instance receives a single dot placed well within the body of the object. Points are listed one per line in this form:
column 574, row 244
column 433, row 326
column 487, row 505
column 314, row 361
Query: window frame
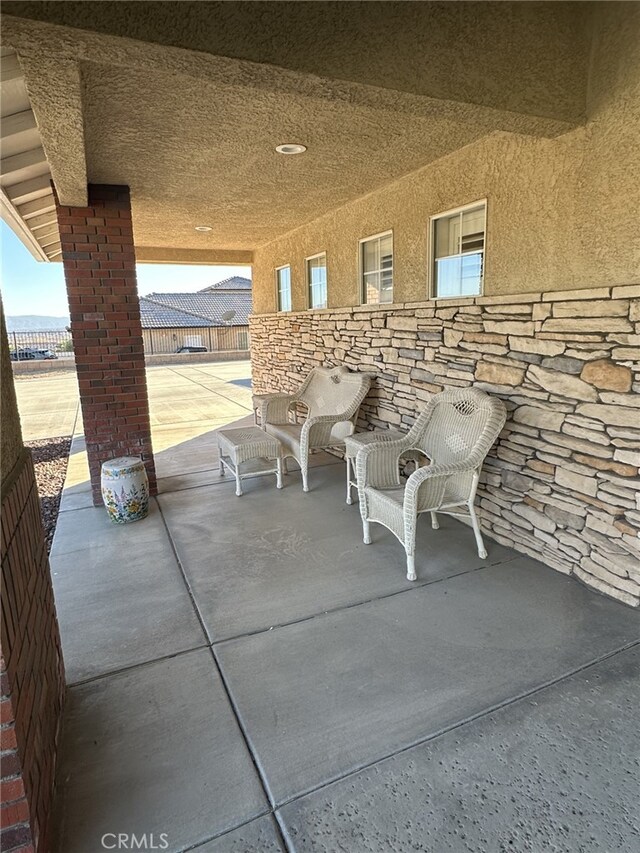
column 280, row 310
column 361, row 273
column 308, row 281
column 431, row 277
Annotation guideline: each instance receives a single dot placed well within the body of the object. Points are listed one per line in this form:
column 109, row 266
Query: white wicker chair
column 332, row 396
column 455, row 433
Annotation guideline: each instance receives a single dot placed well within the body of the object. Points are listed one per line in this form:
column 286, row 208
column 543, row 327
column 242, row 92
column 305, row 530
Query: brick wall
column 562, row 482
column 32, row 673
column 99, row 265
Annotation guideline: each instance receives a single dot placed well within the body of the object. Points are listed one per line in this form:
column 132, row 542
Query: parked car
column 32, row 353
column 192, row 349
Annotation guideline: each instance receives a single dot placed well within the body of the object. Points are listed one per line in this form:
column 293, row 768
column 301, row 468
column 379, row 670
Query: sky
column 35, row 287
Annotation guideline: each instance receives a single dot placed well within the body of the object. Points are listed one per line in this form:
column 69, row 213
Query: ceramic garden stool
column 354, row 443
column 125, row 489
column 249, row 452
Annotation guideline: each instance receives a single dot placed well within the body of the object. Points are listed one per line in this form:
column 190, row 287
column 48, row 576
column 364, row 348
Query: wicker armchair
column 332, row 396
column 455, row 433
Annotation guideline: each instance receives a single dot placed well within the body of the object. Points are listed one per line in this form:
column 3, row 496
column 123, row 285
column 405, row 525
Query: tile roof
column 208, row 306
column 236, row 282
column 155, row 315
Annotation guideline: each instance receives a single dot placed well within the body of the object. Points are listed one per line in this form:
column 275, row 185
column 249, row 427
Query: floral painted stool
column 125, row 489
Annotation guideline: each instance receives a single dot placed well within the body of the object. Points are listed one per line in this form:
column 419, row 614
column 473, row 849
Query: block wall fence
column 100, row 272
column 562, row 482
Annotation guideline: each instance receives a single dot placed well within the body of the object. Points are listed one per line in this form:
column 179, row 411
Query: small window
column 376, row 265
column 317, row 280
column 457, row 240
column 283, row 284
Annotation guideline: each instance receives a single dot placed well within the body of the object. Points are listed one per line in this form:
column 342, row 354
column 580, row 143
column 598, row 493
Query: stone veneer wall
column 561, row 484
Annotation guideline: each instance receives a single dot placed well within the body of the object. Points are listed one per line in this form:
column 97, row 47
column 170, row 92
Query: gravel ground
column 50, row 457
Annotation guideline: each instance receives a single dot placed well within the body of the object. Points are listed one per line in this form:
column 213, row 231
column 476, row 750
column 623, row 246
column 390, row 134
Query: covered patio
column 437, row 195
column 245, row 675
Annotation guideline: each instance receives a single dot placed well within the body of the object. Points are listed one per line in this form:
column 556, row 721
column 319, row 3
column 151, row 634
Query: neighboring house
column 216, row 317
column 235, row 284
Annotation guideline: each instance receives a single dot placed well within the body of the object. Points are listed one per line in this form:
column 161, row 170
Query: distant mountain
column 35, row 323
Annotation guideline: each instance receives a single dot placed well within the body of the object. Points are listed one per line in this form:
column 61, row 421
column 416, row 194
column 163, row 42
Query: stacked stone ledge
column 562, row 483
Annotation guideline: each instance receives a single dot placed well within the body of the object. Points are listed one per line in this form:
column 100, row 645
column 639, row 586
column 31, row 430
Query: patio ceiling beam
column 169, row 255
column 54, row 90
column 61, row 46
column 530, row 61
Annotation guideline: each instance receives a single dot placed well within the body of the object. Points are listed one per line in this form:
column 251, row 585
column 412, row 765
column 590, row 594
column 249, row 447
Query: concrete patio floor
column 245, row 675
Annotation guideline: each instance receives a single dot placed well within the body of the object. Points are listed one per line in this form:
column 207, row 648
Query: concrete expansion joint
column 276, row 807
column 218, row 667
column 414, row 585
column 486, row 712
column 81, row 682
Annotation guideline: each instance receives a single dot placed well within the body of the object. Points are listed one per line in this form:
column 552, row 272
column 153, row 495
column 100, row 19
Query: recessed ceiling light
column 204, row 228
column 291, row 148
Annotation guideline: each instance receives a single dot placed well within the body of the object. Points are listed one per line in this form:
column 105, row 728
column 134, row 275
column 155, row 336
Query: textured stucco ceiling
column 193, row 134
column 208, row 153
column 520, row 56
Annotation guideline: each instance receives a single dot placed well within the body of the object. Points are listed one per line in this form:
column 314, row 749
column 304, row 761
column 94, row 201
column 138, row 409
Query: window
column 376, row 265
column 457, row 240
column 283, row 284
column 317, row 280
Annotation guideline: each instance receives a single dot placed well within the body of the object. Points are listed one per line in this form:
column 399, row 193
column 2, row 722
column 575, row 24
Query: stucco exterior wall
column 559, row 211
column 610, row 194
column 555, row 334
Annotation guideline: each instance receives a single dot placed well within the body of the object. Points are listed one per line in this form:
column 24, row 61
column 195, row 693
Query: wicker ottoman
column 249, row 452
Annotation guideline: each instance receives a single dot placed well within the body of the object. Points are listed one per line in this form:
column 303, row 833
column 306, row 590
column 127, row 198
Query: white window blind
column 317, row 281
column 376, row 260
column 283, row 278
column 458, row 251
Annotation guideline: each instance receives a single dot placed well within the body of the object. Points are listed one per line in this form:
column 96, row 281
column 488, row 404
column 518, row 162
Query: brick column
column 100, row 271
column 31, row 669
